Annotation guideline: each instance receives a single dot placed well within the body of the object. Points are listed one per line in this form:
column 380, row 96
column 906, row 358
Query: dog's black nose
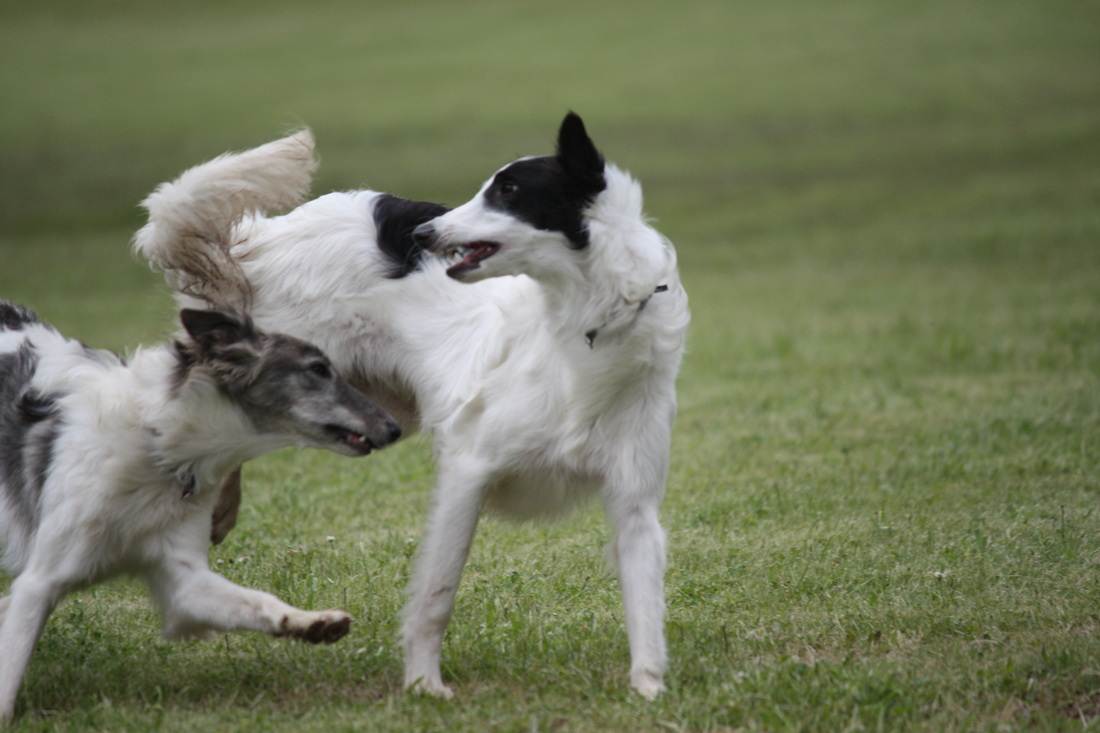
column 424, row 235
column 394, row 432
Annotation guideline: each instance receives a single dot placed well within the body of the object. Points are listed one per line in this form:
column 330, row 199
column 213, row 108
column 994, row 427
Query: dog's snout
column 393, row 431
column 424, row 235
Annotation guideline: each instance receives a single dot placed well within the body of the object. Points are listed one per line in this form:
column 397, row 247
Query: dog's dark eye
column 321, row 370
column 507, row 188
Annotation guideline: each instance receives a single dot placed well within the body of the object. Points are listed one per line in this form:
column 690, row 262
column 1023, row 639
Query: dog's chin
column 466, row 260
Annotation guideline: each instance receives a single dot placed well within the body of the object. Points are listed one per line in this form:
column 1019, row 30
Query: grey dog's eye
column 321, row 370
column 507, row 188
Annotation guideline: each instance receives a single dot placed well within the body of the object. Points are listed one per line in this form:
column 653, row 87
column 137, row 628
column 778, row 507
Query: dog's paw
column 315, row 627
column 647, row 684
column 436, row 688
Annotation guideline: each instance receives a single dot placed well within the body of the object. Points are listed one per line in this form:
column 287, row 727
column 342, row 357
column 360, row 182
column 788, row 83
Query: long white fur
column 109, row 505
column 202, row 208
column 525, row 417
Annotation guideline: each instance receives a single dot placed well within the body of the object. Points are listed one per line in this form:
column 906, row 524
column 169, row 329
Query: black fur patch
column 29, row 425
column 552, row 192
column 395, row 218
column 40, row 454
column 185, row 360
column 14, row 317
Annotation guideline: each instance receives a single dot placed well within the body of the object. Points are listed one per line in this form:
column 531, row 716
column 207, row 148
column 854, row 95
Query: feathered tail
column 192, row 219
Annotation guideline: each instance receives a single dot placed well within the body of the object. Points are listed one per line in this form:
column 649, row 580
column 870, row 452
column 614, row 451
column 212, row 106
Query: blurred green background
column 882, row 505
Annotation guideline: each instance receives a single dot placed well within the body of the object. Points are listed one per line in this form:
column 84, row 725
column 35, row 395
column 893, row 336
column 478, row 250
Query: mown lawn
column 883, row 503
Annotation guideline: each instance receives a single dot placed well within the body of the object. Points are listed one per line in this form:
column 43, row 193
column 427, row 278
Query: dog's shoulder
column 394, row 220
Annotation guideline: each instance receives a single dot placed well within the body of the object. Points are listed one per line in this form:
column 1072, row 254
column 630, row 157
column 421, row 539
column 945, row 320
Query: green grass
column 883, row 503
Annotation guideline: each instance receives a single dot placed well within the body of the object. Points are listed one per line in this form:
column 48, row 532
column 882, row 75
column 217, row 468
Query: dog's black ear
column 576, row 151
column 210, row 329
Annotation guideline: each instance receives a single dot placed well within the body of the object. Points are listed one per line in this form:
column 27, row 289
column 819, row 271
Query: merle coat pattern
column 110, row 467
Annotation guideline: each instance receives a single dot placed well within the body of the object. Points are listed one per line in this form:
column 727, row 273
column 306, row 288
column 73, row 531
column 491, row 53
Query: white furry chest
column 122, row 521
column 545, row 428
column 534, row 410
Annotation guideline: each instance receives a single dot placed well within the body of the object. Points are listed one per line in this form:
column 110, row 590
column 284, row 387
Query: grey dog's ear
column 576, row 151
column 211, row 329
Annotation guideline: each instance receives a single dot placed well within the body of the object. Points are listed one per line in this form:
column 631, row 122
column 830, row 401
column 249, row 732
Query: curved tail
column 192, row 219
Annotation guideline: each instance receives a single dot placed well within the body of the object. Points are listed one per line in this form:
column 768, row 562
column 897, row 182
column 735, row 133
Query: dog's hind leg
column 195, row 600
column 29, row 605
column 446, row 544
column 639, row 552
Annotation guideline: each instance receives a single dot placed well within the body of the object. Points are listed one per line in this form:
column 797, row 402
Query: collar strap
column 590, row 336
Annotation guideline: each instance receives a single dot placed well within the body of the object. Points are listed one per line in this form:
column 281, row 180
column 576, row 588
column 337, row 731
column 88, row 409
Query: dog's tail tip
column 303, row 136
column 297, row 146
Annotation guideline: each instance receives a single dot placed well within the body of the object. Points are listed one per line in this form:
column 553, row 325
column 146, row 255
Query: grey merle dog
column 110, row 467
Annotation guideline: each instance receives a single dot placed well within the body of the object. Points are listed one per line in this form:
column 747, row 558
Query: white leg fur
column 639, row 552
column 194, row 600
column 31, row 601
column 446, row 545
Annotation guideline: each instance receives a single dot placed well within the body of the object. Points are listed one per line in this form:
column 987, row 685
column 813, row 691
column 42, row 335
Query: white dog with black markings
column 109, row 467
column 535, row 332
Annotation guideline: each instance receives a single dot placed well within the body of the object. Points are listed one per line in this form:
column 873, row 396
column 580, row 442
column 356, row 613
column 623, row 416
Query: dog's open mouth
column 466, row 257
column 356, row 441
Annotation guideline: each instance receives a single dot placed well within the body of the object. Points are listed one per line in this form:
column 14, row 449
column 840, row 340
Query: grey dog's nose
column 424, row 235
column 394, row 431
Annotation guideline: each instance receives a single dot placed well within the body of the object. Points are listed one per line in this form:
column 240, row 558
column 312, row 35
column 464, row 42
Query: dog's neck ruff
column 590, row 335
column 626, row 263
column 195, row 435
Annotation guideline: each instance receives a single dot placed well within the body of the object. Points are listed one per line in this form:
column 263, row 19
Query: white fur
column 112, row 504
column 204, row 205
column 525, row 417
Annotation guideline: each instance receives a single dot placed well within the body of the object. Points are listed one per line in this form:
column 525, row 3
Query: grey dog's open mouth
column 356, row 441
column 466, row 257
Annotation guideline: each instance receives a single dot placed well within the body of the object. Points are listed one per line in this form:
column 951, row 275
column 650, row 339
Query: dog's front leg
column 29, row 605
column 194, row 600
column 639, row 552
column 229, row 504
column 446, row 545
column 4, row 607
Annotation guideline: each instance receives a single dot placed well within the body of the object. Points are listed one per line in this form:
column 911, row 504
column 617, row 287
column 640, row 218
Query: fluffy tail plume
column 192, row 219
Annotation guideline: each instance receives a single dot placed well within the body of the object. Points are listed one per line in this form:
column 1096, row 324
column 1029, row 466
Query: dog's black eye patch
column 542, row 193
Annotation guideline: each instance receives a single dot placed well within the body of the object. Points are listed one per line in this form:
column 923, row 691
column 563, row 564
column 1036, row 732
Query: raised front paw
column 316, row 627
